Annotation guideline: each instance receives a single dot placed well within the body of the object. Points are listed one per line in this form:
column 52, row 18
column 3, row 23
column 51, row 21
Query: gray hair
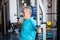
column 27, row 7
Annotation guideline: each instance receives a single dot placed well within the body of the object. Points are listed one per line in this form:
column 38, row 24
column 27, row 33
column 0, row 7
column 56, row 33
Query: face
column 26, row 14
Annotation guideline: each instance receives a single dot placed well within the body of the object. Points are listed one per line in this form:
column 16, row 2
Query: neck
column 28, row 18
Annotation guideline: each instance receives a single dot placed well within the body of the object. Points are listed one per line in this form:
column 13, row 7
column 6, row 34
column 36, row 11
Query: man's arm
column 38, row 29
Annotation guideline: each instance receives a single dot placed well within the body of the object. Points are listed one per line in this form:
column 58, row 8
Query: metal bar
column 4, row 24
column 39, row 3
column 38, row 16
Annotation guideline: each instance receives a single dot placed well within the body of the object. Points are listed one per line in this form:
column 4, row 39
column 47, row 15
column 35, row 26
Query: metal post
column 38, row 18
column 39, row 3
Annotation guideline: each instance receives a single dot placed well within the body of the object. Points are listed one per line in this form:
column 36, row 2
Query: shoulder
column 32, row 20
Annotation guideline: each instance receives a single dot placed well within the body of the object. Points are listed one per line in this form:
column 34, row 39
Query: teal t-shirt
column 28, row 30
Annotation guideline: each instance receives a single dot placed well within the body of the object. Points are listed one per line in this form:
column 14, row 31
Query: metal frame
column 43, row 26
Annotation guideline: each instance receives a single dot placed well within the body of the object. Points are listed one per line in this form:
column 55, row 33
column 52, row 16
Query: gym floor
column 14, row 36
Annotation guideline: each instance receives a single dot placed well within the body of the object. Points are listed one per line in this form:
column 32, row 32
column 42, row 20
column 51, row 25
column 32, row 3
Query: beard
column 25, row 17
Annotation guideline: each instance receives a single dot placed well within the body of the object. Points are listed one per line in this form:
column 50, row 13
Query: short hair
column 27, row 7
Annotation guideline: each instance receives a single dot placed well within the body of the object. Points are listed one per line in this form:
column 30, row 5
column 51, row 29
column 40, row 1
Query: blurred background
column 11, row 12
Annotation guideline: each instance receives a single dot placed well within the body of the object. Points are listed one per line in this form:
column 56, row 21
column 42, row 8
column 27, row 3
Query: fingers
column 38, row 30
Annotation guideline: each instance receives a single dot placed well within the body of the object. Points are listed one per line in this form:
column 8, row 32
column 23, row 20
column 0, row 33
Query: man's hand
column 19, row 23
column 38, row 30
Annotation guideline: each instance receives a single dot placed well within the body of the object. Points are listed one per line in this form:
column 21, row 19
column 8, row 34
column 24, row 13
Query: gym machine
column 40, row 16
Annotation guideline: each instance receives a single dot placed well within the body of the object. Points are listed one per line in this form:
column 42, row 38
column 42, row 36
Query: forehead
column 24, row 11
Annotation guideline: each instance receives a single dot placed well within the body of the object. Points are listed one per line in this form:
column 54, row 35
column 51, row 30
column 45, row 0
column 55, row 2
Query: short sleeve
column 33, row 23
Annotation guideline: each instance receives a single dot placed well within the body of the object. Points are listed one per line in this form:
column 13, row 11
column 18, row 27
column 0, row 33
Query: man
column 28, row 29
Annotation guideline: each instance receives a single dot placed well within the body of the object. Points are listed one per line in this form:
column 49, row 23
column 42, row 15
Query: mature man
column 28, row 29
